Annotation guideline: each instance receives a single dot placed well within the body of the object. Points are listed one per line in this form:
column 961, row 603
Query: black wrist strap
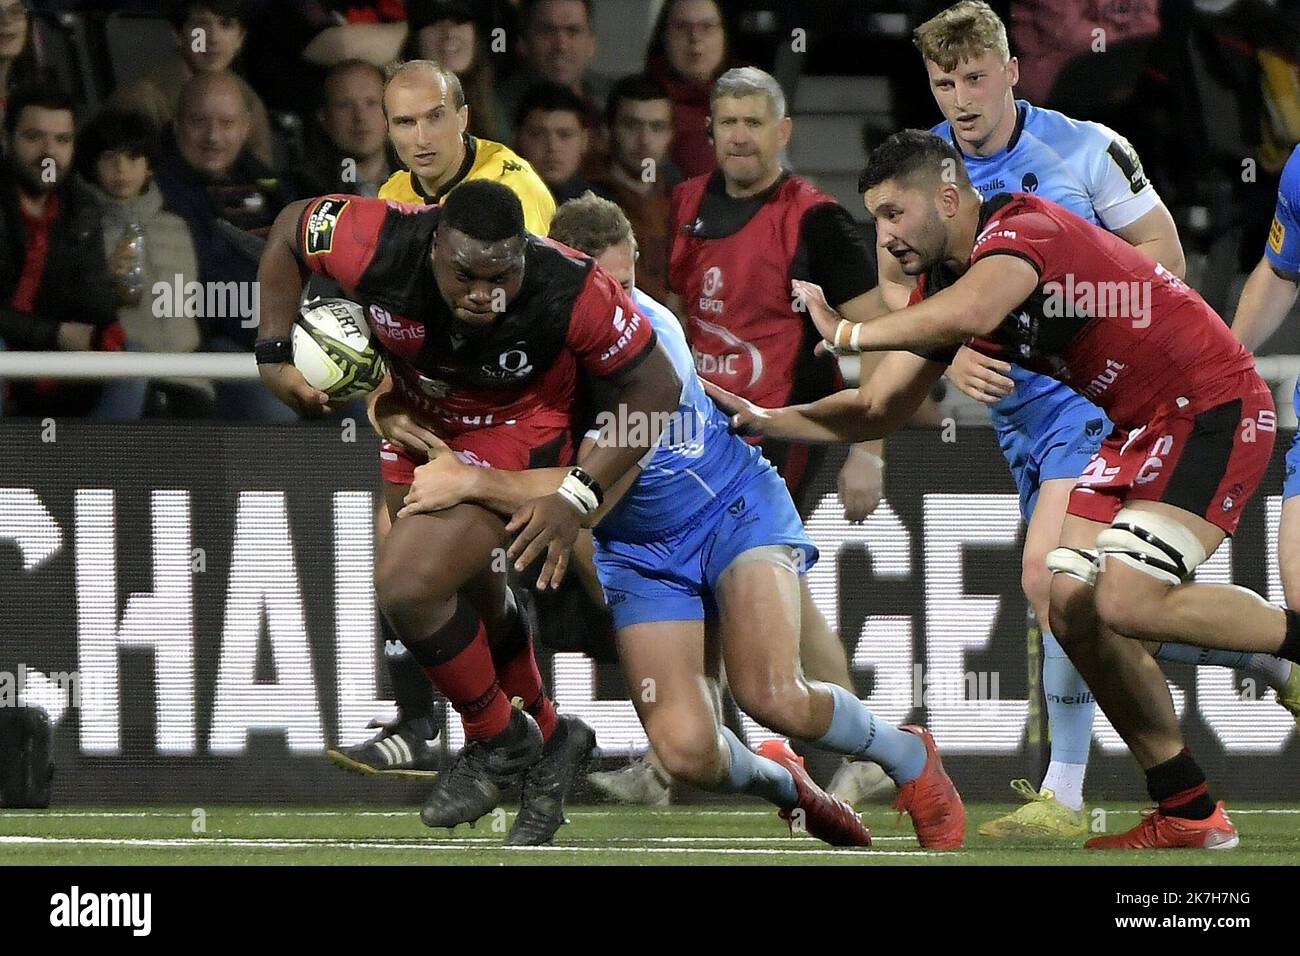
column 273, row 351
column 590, row 483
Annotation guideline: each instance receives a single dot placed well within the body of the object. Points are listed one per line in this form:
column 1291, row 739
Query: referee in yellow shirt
column 427, row 118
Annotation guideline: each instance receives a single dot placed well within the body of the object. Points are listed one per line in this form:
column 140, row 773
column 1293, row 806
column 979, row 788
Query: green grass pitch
column 745, row 834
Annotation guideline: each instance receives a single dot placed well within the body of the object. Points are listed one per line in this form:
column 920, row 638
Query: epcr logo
column 712, row 282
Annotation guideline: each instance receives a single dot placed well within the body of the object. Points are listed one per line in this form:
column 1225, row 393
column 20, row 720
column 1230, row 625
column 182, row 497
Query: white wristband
column 578, row 495
column 853, row 339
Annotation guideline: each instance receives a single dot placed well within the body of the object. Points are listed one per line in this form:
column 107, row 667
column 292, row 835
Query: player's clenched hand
column 396, row 424
column 287, row 384
column 980, row 376
column 746, row 417
column 814, row 300
column 547, row 524
column 861, row 481
column 440, row 483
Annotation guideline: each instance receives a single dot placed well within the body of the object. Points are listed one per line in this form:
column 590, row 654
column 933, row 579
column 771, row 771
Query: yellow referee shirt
column 484, row 159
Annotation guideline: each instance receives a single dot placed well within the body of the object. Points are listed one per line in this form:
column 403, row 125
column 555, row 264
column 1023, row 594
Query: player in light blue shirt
column 702, row 541
column 1267, row 297
column 1048, row 433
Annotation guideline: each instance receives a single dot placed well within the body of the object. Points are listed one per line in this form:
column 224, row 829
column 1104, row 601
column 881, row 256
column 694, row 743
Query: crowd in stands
column 167, row 177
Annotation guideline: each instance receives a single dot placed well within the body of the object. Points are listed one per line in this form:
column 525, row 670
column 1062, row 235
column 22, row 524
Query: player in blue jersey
column 1047, row 432
column 1267, row 297
column 702, row 542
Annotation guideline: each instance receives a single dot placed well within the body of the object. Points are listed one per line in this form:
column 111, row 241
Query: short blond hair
column 965, row 31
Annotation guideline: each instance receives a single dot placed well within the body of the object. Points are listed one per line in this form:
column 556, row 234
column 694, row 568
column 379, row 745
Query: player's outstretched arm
column 1266, row 298
column 974, row 305
column 878, row 408
column 280, row 277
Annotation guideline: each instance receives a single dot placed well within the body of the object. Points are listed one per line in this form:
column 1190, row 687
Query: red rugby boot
column 1158, row 831
column 932, row 800
column 824, row 816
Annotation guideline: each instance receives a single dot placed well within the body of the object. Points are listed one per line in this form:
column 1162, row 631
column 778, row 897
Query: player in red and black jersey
column 1023, row 278
column 485, row 329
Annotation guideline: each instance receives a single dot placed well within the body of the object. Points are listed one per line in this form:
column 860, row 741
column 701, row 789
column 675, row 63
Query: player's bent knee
column 690, row 754
column 1072, row 616
column 1036, row 581
column 410, row 600
column 1129, row 612
column 784, row 706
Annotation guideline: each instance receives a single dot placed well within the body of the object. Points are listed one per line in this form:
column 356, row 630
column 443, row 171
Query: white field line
column 424, row 845
column 683, row 811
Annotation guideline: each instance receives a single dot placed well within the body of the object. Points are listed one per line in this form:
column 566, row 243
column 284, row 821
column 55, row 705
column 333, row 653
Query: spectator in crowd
column 296, row 42
column 210, row 35
column 212, row 181
column 446, row 32
column 352, row 156
column 1049, row 34
column 144, row 245
column 640, row 176
column 17, row 56
column 370, row 30
column 557, row 45
column 551, row 133
column 55, row 289
column 688, row 51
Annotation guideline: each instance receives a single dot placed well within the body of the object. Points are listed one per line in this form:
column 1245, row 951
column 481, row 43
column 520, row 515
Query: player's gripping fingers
column 289, row 386
column 557, row 562
column 745, row 415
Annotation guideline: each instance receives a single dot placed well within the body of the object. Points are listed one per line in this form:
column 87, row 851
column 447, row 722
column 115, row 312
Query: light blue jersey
column 697, row 456
column 1085, row 167
column 1283, row 251
column 704, row 497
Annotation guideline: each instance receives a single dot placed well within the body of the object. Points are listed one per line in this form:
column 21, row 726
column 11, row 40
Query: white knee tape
column 1078, row 563
column 1152, row 543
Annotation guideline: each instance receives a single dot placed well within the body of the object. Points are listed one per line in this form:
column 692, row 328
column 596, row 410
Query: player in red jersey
column 486, row 329
column 1022, row 278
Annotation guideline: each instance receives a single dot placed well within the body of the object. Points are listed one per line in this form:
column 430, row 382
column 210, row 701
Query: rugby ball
column 333, row 351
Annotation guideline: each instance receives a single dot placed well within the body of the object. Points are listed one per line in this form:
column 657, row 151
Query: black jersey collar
column 720, row 215
column 471, row 153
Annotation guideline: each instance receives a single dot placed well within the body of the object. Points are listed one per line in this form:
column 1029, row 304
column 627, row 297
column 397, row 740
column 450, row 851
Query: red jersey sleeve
column 1027, row 232
column 606, row 332
column 338, row 236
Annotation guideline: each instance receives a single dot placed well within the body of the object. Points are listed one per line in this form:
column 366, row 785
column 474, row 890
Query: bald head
column 213, row 122
column 427, row 117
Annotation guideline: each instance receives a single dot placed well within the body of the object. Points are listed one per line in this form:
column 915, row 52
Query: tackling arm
column 877, row 408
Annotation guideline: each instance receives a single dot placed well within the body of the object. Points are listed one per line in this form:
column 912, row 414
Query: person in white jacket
column 117, row 153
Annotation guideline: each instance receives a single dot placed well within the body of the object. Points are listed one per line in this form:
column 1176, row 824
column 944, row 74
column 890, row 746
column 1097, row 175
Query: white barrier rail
column 1280, row 371
column 229, row 366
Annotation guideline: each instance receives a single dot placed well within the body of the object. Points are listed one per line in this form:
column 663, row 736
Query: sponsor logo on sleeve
column 321, row 224
column 1276, row 236
column 1126, row 158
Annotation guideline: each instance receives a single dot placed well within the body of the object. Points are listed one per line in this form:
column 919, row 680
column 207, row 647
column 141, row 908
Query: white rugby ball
column 333, row 351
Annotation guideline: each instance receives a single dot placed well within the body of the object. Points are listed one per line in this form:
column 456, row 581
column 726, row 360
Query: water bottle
column 131, row 246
